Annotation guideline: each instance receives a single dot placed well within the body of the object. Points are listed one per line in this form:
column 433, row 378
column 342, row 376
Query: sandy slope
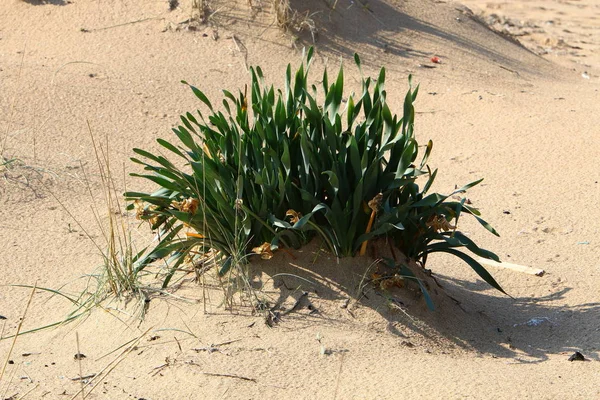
column 525, row 122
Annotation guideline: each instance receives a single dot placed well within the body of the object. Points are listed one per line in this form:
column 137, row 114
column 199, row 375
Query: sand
column 523, row 115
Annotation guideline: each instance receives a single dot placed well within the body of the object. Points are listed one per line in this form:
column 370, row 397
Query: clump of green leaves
column 280, row 166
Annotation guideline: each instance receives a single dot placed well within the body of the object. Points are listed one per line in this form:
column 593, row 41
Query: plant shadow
column 537, row 326
column 468, row 316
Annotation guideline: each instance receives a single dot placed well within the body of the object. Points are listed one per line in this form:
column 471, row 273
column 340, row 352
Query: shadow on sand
column 469, row 316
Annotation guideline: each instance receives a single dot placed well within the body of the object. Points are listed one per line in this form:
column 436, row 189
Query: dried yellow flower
column 206, row 150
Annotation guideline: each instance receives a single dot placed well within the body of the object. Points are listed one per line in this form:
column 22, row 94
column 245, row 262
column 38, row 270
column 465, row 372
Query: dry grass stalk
column 200, row 10
column 12, row 346
column 113, row 364
column 289, row 19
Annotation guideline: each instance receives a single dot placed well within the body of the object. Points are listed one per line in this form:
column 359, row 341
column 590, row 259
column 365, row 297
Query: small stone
column 577, row 356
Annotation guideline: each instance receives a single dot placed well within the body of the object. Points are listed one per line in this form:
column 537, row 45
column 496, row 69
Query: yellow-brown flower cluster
column 187, row 205
column 145, row 213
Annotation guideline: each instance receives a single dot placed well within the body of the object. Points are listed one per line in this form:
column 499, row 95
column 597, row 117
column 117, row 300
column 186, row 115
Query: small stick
column 509, row 70
column 26, row 393
column 12, row 346
column 115, row 362
column 80, row 369
column 514, row 267
column 158, row 369
column 123, row 24
column 230, row 376
column 213, row 347
column 83, row 378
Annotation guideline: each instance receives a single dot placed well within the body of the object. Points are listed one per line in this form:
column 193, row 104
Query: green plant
column 280, row 167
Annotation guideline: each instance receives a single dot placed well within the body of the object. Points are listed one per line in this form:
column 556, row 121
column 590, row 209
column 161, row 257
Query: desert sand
column 517, row 105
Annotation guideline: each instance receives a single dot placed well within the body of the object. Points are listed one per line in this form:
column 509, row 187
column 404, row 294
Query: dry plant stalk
column 80, row 368
column 113, row 364
column 374, row 205
column 290, row 20
column 200, row 10
column 12, row 346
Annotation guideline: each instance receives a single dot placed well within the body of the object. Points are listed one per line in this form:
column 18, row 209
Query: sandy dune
column 522, row 116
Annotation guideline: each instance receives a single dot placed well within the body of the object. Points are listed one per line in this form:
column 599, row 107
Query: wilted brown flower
column 141, row 212
column 393, row 281
column 295, row 216
column 440, row 224
column 188, row 205
column 264, row 250
column 138, row 205
column 375, row 203
column 238, row 204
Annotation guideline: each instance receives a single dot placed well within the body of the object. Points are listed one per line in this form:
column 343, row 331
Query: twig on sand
column 80, row 368
column 27, row 392
column 12, row 346
column 244, row 378
column 83, row 378
column 114, row 363
column 509, row 70
column 123, row 24
column 214, row 347
column 514, row 267
column 230, row 376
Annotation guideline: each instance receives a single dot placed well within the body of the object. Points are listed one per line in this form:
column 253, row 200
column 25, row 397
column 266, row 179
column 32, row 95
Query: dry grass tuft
column 200, row 10
column 290, row 20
